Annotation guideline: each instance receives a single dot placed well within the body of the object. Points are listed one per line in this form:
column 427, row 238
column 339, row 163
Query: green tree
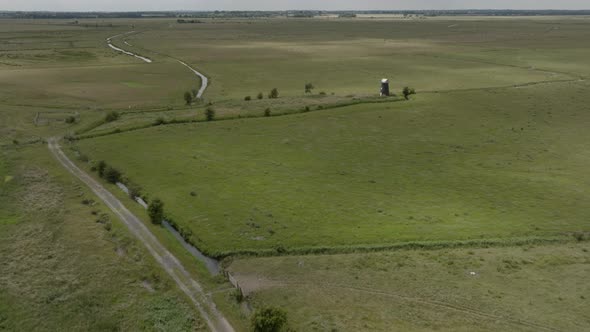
column 260, row 95
column 267, row 112
column 195, row 92
column 274, row 94
column 101, row 168
column 309, row 87
column 112, row 116
column 407, row 92
column 269, row 320
column 247, row 98
column 188, row 98
column 210, row 114
column 112, row 175
column 156, row 211
column 134, row 190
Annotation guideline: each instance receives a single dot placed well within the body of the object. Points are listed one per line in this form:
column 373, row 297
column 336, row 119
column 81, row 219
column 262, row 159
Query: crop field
column 463, row 207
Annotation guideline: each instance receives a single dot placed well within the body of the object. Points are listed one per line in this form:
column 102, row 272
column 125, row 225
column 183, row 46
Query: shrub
column 159, row 121
column 195, row 92
column 210, row 114
column 274, row 94
column 260, row 95
column 88, row 201
column 134, row 190
column 269, row 320
column 83, row 158
column 247, row 98
column 188, row 97
column 103, row 218
column 71, row 119
column 112, row 116
column 308, row 87
column 237, row 295
column 112, row 175
column 307, row 109
column 579, row 236
column 407, row 92
column 323, row 93
column 156, row 211
column 100, row 167
column 267, row 112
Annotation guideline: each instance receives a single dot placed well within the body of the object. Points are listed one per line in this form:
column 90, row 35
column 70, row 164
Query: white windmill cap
column 384, row 80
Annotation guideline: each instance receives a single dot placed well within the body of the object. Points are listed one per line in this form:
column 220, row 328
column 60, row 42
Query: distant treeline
column 298, row 13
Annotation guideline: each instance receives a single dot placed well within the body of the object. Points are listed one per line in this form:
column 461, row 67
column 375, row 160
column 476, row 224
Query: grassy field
column 64, row 270
column 57, row 65
column 489, row 164
column 493, row 289
column 492, row 151
column 350, row 56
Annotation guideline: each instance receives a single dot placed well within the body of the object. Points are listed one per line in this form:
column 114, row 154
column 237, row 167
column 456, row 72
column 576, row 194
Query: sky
column 147, row 5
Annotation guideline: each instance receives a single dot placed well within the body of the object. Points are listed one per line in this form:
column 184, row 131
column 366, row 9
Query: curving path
column 148, row 60
column 215, row 319
column 204, row 79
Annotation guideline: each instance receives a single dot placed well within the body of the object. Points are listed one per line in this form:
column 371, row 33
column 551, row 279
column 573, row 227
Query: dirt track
column 215, row 320
column 204, row 79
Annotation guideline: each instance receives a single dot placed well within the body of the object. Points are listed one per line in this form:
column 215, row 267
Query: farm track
column 206, row 307
column 204, row 79
column 148, row 60
column 444, row 305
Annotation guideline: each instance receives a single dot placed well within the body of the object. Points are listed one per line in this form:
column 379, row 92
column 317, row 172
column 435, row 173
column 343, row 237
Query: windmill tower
column 384, row 87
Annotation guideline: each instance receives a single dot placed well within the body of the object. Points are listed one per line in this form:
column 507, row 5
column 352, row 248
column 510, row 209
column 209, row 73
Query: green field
column 494, row 289
column 490, row 154
column 440, row 167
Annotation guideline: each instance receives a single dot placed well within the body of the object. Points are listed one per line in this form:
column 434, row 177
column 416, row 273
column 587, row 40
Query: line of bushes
column 267, row 113
column 155, row 207
column 112, row 175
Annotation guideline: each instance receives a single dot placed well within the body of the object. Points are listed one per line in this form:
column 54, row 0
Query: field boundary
column 326, row 107
column 412, row 245
column 229, row 118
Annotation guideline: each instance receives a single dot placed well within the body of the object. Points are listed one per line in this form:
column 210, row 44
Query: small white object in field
column 473, row 273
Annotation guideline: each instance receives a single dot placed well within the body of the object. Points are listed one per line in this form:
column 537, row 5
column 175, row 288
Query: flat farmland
column 500, row 163
column 488, row 289
column 67, row 66
column 348, row 57
column 474, row 191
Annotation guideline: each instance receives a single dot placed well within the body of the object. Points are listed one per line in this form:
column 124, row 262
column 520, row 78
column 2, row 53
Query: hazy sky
column 130, row 5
